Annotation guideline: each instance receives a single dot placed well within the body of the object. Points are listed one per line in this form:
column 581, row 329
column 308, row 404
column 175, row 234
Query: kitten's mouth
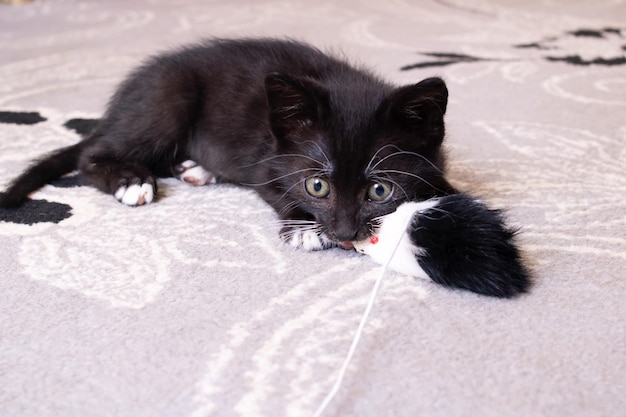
column 346, row 245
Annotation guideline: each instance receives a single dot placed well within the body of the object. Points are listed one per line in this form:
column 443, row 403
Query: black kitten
column 328, row 146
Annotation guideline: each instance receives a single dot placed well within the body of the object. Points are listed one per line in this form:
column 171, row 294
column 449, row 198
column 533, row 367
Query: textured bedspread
column 193, row 307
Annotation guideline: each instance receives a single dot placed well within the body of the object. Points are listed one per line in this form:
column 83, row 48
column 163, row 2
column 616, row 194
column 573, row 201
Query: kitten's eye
column 317, row 187
column 379, row 191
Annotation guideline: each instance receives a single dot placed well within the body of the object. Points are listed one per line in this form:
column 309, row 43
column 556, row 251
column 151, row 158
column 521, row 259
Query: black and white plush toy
column 456, row 241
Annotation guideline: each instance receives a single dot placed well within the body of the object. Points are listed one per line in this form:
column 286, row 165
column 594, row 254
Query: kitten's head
column 355, row 150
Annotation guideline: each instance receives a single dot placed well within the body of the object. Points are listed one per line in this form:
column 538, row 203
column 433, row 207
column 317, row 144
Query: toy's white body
column 393, row 241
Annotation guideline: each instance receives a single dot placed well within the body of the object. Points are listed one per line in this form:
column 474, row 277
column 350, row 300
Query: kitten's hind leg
column 190, row 172
column 130, row 183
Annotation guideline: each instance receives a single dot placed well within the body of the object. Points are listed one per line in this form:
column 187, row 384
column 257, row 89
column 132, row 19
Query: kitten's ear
column 419, row 108
column 295, row 103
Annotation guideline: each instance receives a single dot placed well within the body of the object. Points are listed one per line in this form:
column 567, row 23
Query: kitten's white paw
column 135, row 195
column 309, row 240
column 192, row 173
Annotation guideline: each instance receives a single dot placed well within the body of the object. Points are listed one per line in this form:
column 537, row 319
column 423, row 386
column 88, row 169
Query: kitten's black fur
column 328, row 146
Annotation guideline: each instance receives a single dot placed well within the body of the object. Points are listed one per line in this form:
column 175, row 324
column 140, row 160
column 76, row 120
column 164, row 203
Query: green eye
column 379, row 191
column 317, row 187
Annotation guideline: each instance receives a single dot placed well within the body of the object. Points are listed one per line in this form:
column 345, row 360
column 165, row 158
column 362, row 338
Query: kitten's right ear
column 295, row 103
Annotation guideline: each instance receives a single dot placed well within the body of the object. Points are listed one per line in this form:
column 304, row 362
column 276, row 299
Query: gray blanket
column 192, row 306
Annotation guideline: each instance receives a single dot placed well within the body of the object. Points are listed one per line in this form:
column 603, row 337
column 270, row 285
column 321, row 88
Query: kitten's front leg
column 130, row 183
column 305, row 234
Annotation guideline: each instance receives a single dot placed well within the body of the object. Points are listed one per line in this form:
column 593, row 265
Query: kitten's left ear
column 419, row 108
column 295, row 103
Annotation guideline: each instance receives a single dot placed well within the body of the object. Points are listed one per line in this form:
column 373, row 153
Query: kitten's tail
column 42, row 172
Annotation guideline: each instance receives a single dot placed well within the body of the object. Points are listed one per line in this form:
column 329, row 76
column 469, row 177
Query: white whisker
column 395, row 183
column 280, row 177
column 285, row 155
column 401, row 152
column 299, row 223
column 446, row 212
column 369, row 165
column 288, row 207
column 287, row 192
column 410, row 174
column 328, row 166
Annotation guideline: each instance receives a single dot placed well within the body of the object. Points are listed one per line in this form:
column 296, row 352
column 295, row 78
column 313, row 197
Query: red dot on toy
column 374, row 240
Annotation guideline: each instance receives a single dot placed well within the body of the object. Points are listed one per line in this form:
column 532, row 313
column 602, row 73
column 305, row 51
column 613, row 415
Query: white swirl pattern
column 193, row 307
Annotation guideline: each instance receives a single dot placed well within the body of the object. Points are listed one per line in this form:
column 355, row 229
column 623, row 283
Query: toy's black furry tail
column 42, row 172
column 469, row 246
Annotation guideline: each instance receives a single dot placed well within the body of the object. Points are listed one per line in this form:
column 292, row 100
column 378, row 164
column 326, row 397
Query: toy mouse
column 456, row 241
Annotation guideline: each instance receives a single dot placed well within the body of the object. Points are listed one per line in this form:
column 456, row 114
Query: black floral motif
column 442, row 59
column 81, row 126
column 21, row 118
column 36, row 211
column 583, row 56
column 577, row 47
column 577, row 60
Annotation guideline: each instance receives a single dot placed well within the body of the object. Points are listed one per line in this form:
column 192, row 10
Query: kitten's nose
column 344, row 226
column 345, row 234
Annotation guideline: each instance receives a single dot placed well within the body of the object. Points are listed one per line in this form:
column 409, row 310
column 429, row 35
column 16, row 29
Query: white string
column 357, row 337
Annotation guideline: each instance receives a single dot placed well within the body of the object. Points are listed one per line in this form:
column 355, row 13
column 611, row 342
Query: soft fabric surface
column 193, row 307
